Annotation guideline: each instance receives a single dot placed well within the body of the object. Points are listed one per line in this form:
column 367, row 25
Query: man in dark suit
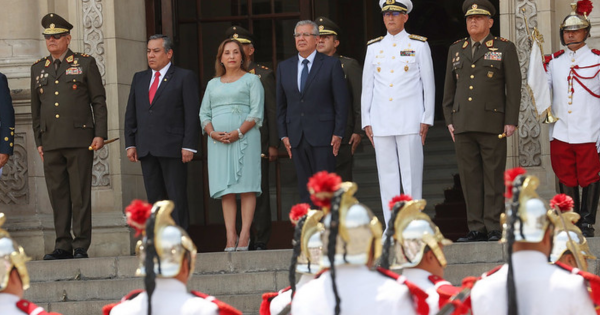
column 162, row 127
column 482, row 96
column 7, row 122
column 261, row 231
column 68, row 109
column 327, row 44
column 312, row 106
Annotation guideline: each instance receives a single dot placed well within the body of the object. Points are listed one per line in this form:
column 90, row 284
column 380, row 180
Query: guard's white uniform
column 398, row 95
column 169, row 298
column 420, row 277
column 361, row 292
column 579, row 116
column 8, row 304
column 541, row 289
column 282, row 300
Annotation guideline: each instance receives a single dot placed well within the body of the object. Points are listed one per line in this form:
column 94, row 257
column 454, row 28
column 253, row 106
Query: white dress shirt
column 311, row 59
column 542, row 289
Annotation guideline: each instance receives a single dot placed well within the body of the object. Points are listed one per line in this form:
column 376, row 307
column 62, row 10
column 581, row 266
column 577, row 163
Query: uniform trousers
column 166, row 179
column 262, row 212
column 399, row 164
column 575, row 164
column 309, row 160
column 68, row 175
column 344, row 162
column 481, row 159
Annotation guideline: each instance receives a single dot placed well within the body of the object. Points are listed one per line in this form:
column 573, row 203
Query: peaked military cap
column 327, row 26
column 240, row 34
column 396, row 5
column 55, row 24
column 478, row 7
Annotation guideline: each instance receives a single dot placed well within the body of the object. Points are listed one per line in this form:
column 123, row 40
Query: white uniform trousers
column 396, row 156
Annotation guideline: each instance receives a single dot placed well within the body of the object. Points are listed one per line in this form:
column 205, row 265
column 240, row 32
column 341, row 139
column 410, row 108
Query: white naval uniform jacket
column 170, row 297
column 542, row 289
column 578, row 112
column 398, row 92
column 361, row 292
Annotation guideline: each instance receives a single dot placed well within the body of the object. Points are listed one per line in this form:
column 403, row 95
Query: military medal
column 41, row 90
column 74, row 86
column 457, row 58
column 405, row 68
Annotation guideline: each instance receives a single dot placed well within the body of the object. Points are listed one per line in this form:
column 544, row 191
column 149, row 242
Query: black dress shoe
column 58, row 254
column 260, row 246
column 494, row 236
column 587, row 230
column 473, row 236
column 80, row 253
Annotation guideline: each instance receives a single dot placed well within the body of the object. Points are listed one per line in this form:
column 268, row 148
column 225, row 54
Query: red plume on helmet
column 584, row 7
column 137, row 214
column 509, row 177
column 298, row 211
column 397, row 199
column 321, row 187
column 563, row 202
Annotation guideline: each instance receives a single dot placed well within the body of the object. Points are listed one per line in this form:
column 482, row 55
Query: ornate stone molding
column 14, row 183
column 530, row 149
column 93, row 41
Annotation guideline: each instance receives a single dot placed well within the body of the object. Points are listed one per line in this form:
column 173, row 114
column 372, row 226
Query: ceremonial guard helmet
column 567, row 236
column 357, row 231
column 531, row 219
column 410, row 234
column 577, row 19
column 164, row 245
column 11, row 256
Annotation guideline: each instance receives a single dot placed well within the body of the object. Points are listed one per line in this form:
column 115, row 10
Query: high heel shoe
column 233, row 249
column 242, row 248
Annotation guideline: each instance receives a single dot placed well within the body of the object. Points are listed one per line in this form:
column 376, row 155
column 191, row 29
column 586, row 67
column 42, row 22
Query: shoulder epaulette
column 224, row 308
column 30, row 308
column 460, row 40
column 35, row 63
column 593, row 281
column 596, row 52
column 344, row 57
column 418, row 37
column 374, row 40
column 82, row 54
column 502, row 39
column 265, row 305
column 106, row 309
column 558, row 53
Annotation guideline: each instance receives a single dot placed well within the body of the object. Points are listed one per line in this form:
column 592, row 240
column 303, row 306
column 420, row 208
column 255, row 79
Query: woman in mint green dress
column 231, row 113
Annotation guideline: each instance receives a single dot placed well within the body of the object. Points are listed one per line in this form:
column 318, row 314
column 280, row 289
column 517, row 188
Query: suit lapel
column 294, row 75
column 144, row 85
column 163, row 85
column 317, row 63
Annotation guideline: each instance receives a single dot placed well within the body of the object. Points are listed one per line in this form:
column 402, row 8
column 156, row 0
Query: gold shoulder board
column 374, row 40
column 417, row 37
column 460, row 40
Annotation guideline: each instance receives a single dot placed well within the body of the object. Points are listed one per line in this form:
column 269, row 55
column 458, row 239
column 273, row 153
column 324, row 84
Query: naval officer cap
column 240, row 34
column 396, row 6
column 55, row 24
column 327, row 26
column 478, row 7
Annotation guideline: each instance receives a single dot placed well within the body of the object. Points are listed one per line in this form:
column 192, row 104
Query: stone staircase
column 82, row 287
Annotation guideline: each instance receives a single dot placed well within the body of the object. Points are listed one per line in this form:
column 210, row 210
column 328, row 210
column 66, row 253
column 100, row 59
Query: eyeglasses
column 303, row 35
column 56, row 36
column 391, row 13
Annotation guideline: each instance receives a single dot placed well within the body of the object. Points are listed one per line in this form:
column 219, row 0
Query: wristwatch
column 240, row 134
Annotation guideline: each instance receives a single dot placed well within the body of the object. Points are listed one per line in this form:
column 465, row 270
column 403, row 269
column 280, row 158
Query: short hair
column 314, row 25
column 167, row 41
column 219, row 67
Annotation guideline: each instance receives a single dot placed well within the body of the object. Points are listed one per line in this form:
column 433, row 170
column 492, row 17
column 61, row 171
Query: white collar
column 162, row 71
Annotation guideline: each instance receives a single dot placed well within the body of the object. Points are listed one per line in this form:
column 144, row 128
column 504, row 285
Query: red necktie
column 153, row 87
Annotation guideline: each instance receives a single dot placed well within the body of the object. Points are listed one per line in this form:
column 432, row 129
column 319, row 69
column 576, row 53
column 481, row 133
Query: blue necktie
column 304, row 75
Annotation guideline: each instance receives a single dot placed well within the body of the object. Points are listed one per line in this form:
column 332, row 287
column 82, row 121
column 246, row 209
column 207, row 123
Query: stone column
column 114, row 33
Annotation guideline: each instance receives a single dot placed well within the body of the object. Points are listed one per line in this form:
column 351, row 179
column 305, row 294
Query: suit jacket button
column 57, row 116
column 151, row 111
column 470, row 99
column 56, row 93
column 302, row 114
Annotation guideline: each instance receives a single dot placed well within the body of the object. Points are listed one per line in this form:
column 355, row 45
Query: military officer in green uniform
column 261, row 231
column 68, row 108
column 327, row 44
column 7, row 122
column 481, row 101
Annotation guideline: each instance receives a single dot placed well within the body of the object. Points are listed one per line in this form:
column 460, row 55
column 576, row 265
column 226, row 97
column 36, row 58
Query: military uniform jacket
column 7, row 118
column 541, row 289
column 432, row 285
column 11, row 304
column 398, row 92
column 578, row 111
column 482, row 93
column 268, row 130
column 353, row 75
column 68, row 108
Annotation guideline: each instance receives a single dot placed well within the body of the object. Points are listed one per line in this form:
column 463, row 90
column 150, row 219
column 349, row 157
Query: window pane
column 261, row 7
column 286, row 45
column 263, row 42
column 186, row 9
column 186, row 50
column 218, row 8
column 287, row 6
